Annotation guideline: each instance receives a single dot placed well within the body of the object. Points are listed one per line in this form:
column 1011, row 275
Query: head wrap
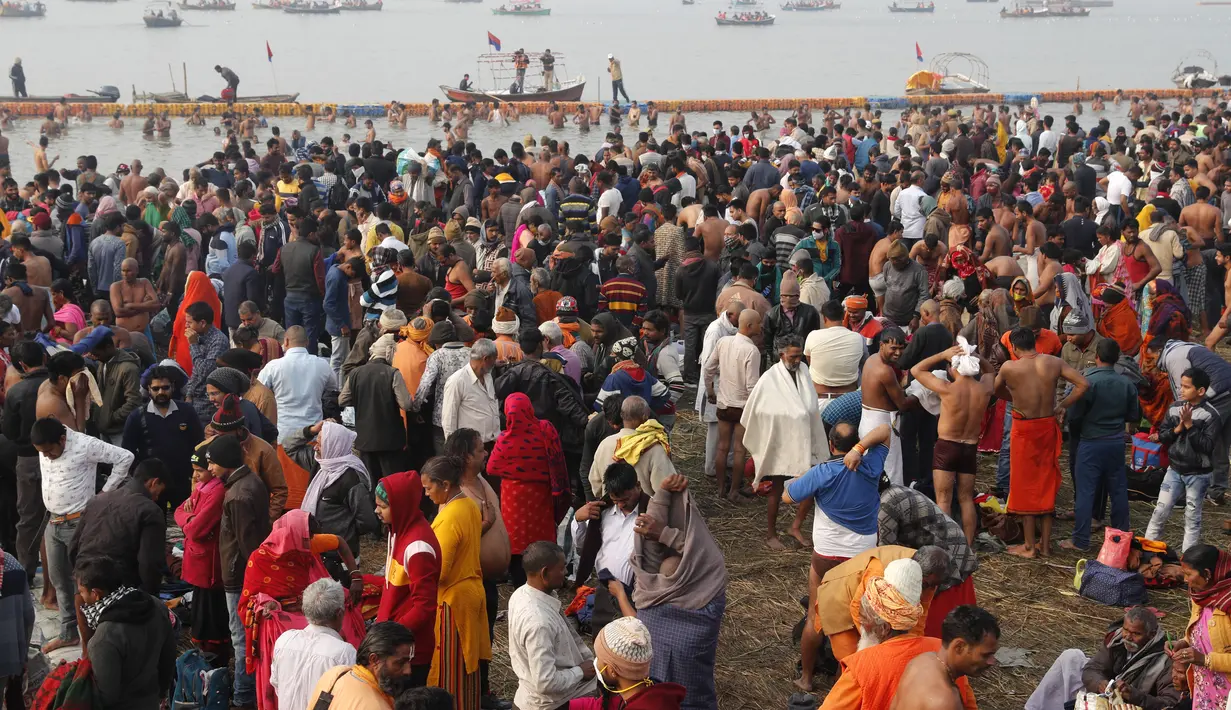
column 967, row 363
column 855, row 303
column 336, row 457
column 229, row 380
column 954, row 288
column 906, row 576
column 891, row 605
column 624, row 349
column 947, row 146
column 789, row 285
column 226, row 451
column 392, row 321
column 435, row 235
column 624, row 647
column 383, row 256
column 1076, row 323
column 418, row 330
column 506, row 322
column 228, row 418
column 383, row 348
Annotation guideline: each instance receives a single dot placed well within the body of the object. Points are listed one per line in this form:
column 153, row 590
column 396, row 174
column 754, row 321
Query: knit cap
column 229, row 380
column 906, row 576
column 624, row 646
column 228, row 417
column 227, row 452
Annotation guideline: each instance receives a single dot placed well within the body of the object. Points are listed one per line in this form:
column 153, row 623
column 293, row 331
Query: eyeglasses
column 158, row 388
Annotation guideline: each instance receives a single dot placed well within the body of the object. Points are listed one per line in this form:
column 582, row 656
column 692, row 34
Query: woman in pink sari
column 69, row 318
column 278, row 572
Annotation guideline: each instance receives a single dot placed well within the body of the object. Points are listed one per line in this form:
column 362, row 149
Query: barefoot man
column 782, row 426
column 133, row 299
column 963, row 402
column 883, row 397
column 933, row 681
column 1029, row 384
column 729, row 377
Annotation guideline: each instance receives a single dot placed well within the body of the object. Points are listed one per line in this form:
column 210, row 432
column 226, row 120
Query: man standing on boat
column 232, row 80
column 549, row 69
column 521, row 62
column 617, row 78
column 18, row 76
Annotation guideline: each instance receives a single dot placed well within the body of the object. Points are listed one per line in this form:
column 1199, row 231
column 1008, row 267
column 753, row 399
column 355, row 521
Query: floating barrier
column 686, row 105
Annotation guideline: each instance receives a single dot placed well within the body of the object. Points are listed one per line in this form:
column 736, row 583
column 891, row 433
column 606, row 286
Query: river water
column 668, row 50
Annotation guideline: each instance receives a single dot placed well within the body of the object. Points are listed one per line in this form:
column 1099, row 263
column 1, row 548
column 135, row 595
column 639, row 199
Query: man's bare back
column 1030, row 384
column 123, row 338
column 689, row 215
column 34, row 308
column 1203, row 218
column 925, row 685
column 38, row 270
column 880, row 254
column 996, row 243
column 1004, row 266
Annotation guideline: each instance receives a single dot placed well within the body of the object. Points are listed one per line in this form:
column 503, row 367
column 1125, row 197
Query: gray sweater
column 904, row 291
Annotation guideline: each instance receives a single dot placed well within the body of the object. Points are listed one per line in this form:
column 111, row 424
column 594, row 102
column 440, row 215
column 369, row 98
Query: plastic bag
column 1116, row 546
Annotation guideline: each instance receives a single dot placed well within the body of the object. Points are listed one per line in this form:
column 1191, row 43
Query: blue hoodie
column 849, row 498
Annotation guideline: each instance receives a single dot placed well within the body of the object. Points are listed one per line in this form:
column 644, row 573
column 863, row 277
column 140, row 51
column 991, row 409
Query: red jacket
column 202, row 564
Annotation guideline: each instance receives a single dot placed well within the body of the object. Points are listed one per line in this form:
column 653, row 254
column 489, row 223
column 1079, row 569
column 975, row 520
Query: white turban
column 383, row 348
column 967, row 363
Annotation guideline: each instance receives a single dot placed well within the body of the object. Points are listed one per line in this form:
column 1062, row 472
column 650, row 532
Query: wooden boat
column 269, row 5
column 568, row 91
column 1024, row 13
column 810, row 6
column 312, row 8
column 362, row 6
column 912, row 8
column 215, row 6
column 535, row 10
column 157, row 21
column 105, row 95
column 179, row 97
column 732, row 21
column 689, row 2
column 37, row 9
column 1067, row 11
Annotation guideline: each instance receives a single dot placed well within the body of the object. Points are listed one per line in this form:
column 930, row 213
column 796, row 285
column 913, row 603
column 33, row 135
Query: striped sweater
column 625, row 297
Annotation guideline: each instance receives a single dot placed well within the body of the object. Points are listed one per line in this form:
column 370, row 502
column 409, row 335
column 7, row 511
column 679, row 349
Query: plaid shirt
column 911, row 519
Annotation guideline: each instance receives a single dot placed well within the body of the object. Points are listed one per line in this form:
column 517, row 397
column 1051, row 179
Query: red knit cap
column 228, row 417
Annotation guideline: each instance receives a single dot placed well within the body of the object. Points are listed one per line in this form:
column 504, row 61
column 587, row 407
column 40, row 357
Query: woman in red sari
column 412, row 568
column 198, row 289
column 534, row 494
column 278, row 572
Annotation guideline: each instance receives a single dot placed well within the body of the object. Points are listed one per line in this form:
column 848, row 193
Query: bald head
column 929, row 311
column 524, row 258
column 129, row 269
column 732, row 311
column 296, row 337
column 749, row 322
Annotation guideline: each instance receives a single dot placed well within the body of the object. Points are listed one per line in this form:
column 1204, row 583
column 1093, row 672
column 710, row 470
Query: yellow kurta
column 459, row 529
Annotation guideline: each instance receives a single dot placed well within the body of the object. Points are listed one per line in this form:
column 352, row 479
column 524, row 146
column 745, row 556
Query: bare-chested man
column 38, row 268
column 929, row 252
column 33, row 303
column 133, row 299
column 968, row 644
column 1028, row 232
column 1048, row 259
column 1004, row 269
column 996, row 239
column 884, row 397
column 877, row 259
column 689, row 216
column 713, row 231
column 1029, row 383
column 963, row 402
column 174, row 274
column 759, row 202
column 53, row 393
column 102, row 315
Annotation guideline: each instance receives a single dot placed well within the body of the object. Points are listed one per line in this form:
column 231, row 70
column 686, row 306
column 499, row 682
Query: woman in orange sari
column 278, row 572
column 410, row 359
column 198, row 289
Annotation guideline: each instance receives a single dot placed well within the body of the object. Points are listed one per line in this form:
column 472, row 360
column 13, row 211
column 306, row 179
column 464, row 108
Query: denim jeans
column 1002, row 463
column 1220, row 458
column 31, row 515
column 1100, row 465
column 303, row 311
column 60, row 569
column 1194, row 486
column 339, row 348
column 244, row 691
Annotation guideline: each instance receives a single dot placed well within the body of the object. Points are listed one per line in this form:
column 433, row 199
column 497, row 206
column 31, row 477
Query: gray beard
column 867, row 639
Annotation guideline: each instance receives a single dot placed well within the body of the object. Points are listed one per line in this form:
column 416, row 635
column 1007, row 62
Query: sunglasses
column 156, row 388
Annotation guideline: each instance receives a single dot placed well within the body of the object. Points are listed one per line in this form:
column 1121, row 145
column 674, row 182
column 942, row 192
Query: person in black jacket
column 571, row 276
column 129, row 525
column 131, row 645
column 30, row 359
column 167, row 429
column 789, row 317
column 241, row 283
column 696, row 286
column 553, row 396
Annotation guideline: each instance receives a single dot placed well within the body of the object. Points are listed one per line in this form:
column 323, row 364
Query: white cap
column 611, row 56
column 906, row 576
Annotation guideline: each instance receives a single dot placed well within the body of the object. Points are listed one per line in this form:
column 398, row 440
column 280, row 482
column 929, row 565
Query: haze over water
column 669, row 50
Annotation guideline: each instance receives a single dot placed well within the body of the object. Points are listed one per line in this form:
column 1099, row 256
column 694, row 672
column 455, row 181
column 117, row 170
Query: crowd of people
column 288, row 354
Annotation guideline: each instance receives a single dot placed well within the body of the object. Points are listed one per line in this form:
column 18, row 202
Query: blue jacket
column 1110, row 401
column 337, row 301
column 630, row 191
column 850, row 499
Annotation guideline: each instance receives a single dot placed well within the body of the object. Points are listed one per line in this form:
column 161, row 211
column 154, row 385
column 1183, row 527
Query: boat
column 102, row 95
column 931, row 7
column 1073, row 3
column 1067, row 11
column 179, row 97
column 756, row 19
column 212, row 5
column 1189, row 74
column 810, row 5
column 522, row 8
column 461, row 1
column 950, row 73
column 270, row 4
column 502, row 70
column 23, row 9
column 362, row 5
column 689, row 2
column 312, row 8
column 1023, row 12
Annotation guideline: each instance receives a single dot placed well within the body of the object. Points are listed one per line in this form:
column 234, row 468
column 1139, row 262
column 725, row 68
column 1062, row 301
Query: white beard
column 867, row 639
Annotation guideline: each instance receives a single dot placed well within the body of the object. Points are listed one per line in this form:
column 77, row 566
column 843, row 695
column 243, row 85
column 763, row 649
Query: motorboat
column 950, row 73
column 810, row 5
column 501, row 68
column 211, row 5
column 312, row 8
column 531, row 8
column 745, row 18
column 362, row 5
column 23, row 9
column 920, row 7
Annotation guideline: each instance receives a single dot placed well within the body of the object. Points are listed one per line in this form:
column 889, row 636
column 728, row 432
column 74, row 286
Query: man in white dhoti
column 725, row 325
column 883, row 397
column 782, row 427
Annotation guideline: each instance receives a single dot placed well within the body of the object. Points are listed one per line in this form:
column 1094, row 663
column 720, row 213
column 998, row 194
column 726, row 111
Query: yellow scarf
column 630, row 448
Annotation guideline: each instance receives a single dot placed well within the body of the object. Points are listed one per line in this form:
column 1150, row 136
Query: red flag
column 269, row 51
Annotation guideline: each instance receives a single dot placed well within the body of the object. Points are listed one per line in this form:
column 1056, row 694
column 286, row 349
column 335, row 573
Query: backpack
column 198, row 686
column 336, row 196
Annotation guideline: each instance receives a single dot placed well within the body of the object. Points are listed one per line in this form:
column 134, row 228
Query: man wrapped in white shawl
column 725, row 325
column 782, row 427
